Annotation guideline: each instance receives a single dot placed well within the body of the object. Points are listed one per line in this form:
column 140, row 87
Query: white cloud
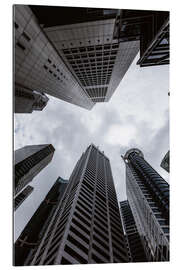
column 121, row 135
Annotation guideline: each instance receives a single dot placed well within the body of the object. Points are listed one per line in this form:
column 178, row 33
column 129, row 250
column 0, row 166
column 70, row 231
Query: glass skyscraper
column 28, row 162
column 33, row 232
column 86, row 225
column 148, row 196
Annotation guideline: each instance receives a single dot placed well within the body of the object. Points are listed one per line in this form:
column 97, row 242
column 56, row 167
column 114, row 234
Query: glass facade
column 86, row 225
column 148, row 196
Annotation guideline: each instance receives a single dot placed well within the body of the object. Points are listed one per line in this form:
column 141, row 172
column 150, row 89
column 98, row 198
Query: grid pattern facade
column 97, row 60
column 37, row 63
column 33, row 232
column 86, row 226
column 20, row 198
column 32, row 163
column 136, row 250
column 148, row 196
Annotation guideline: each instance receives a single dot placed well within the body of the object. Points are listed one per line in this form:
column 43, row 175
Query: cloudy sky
column 136, row 116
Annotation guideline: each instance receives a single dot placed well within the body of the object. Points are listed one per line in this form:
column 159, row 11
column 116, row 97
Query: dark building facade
column 27, row 101
column 136, row 250
column 148, row 196
column 74, row 51
column 28, row 162
column 35, row 228
column 165, row 162
column 21, row 197
column 86, row 225
column 151, row 28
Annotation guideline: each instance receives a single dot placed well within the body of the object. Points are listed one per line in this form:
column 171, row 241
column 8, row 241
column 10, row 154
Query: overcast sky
column 137, row 115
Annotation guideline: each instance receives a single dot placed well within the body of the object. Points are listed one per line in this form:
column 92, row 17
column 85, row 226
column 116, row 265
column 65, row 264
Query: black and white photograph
column 91, row 155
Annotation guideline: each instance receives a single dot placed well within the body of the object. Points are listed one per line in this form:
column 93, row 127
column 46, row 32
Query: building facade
column 33, row 231
column 135, row 246
column 22, row 196
column 38, row 66
column 151, row 28
column 165, row 162
column 86, row 225
column 27, row 101
column 148, row 196
column 28, row 162
column 77, row 60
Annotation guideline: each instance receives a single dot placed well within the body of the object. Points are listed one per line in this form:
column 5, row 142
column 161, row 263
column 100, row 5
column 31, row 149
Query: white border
column 6, row 125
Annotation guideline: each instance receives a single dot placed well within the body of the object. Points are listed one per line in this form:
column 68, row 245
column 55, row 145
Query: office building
column 80, row 60
column 86, row 225
column 165, row 162
column 135, row 246
column 27, row 101
column 28, row 162
column 21, row 197
column 35, row 228
column 38, row 66
column 151, row 28
column 148, row 197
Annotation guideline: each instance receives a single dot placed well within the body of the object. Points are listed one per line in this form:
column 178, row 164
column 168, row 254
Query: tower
column 148, row 196
column 87, row 45
column 151, row 28
column 38, row 66
column 136, row 250
column 22, row 196
column 35, row 228
column 29, row 161
column 165, row 161
column 26, row 101
column 77, row 59
column 86, row 225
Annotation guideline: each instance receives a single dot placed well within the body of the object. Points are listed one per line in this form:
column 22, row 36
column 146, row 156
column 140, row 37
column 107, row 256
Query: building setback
column 22, row 196
column 86, row 225
column 35, row 228
column 28, row 162
column 148, row 196
column 27, row 101
column 38, row 66
column 136, row 250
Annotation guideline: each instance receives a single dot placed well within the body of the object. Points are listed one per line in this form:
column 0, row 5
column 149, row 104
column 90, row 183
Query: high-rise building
column 26, row 101
column 86, row 225
column 151, row 28
column 148, row 196
column 21, row 197
column 165, row 162
column 35, row 228
column 38, row 66
column 136, row 250
column 28, row 162
column 81, row 62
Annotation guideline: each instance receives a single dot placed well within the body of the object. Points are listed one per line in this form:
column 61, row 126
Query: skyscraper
column 148, row 196
column 38, row 66
column 35, row 228
column 86, row 225
column 19, row 199
column 28, row 162
column 151, row 28
column 26, row 101
column 136, row 250
column 165, row 162
column 79, row 60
